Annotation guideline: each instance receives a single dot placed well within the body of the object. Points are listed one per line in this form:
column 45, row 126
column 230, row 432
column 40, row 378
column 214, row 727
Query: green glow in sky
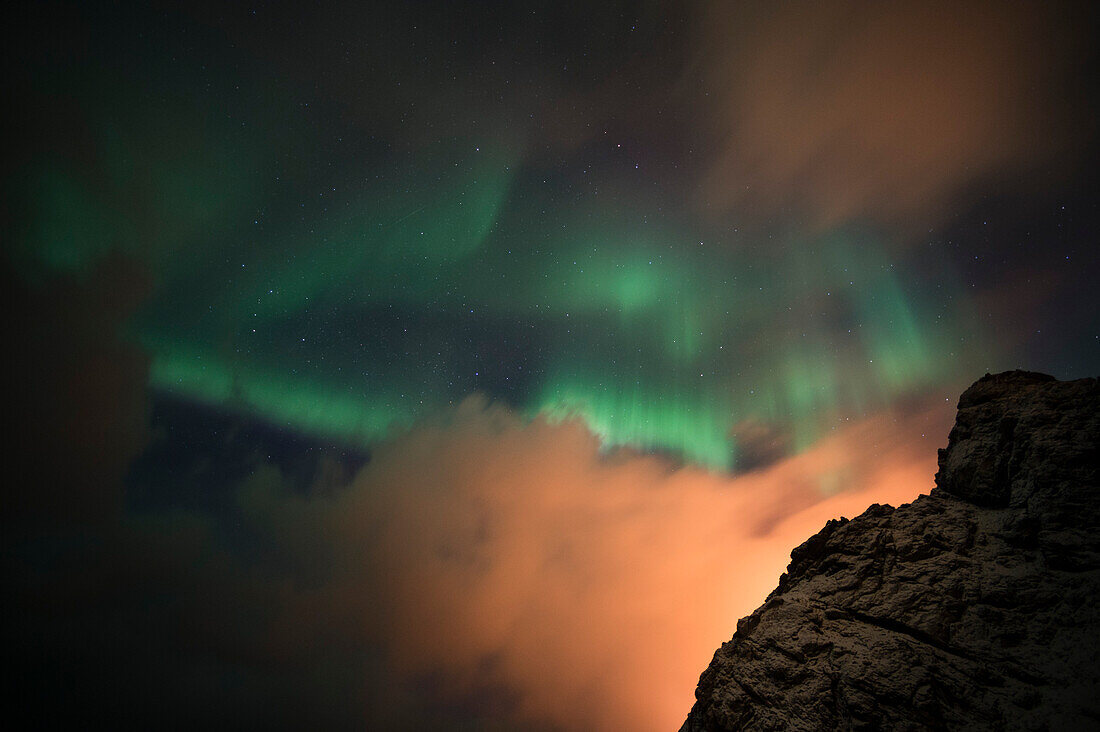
column 691, row 424
column 313, row 406
column 347, row 287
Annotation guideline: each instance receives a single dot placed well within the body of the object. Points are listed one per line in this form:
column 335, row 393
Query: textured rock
column 975, row 607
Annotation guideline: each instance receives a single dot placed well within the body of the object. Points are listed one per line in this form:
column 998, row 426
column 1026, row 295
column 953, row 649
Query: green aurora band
column 351, row 304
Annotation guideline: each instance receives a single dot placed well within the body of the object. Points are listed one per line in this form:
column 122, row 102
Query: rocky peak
column 1017, row 433
column 977, row 606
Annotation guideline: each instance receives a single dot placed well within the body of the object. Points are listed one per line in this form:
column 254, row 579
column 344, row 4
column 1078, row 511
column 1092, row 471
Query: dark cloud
column 759, row 444
column 75, row 393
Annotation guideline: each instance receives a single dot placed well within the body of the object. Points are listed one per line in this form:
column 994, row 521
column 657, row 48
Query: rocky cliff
column 975, row 607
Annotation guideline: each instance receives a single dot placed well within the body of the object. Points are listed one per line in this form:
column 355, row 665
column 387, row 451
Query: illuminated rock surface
column 973, row 607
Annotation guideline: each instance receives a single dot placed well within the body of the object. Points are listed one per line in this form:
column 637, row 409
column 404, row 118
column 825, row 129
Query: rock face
column 975, row 607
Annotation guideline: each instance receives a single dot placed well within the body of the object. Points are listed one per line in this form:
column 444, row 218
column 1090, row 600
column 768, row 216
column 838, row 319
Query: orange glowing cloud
column 886, row 112
column 493, row 553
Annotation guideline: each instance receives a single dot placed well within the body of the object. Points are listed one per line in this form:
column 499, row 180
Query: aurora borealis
column 658, row 333
column 504, row 315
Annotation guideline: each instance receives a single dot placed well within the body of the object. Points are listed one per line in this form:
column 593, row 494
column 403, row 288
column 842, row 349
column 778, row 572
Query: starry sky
column 477, row 365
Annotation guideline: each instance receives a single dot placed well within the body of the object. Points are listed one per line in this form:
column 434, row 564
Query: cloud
column 506, row 559
column 481, row 569
column 885, row 112
column 75, row 393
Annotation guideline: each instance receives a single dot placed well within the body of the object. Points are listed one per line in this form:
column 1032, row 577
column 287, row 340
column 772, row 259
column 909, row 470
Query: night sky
column 447, row 365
